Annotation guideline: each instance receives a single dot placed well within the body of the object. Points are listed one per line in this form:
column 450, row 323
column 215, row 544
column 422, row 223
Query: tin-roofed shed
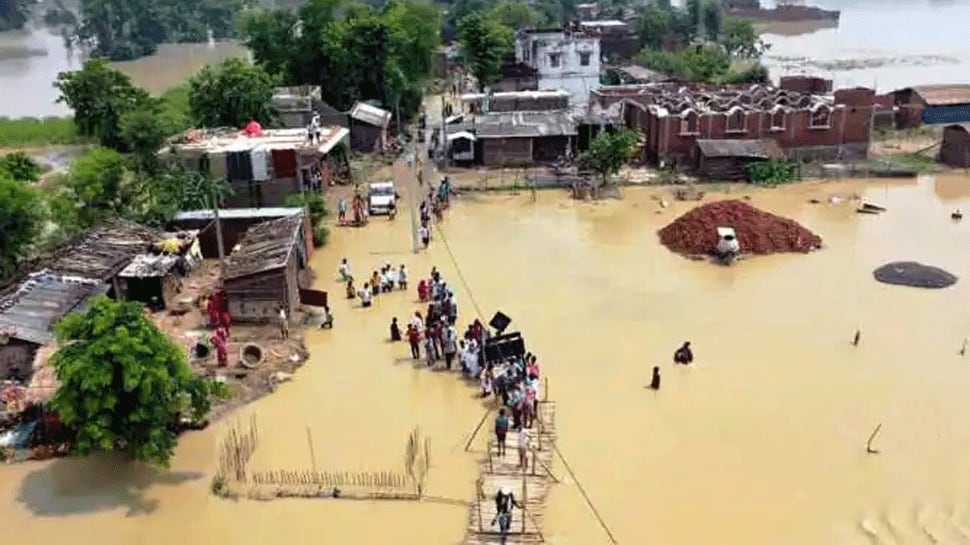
column 729, row 159
column 932, row 104
column 368, row 127
column 152, row 279
column 28, row 315
column 517, row 138
column 955, row 148
column 262, row 272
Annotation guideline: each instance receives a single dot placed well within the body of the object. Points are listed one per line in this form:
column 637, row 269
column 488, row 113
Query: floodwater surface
column 761, row 441
column 31, row 60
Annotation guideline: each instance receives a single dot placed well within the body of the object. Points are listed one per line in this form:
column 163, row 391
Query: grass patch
column 31, row 131
column 919, row 162
column 919, row 133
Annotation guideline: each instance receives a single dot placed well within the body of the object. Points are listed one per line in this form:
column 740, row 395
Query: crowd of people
column 385, row 280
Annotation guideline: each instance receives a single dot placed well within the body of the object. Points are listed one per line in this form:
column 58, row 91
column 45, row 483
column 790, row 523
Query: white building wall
column 570, row 63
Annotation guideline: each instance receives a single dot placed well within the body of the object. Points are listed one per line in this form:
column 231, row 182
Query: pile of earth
column 914, row 275
column 758, row 232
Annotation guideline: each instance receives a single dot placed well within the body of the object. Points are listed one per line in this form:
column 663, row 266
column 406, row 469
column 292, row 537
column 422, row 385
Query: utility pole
column 412, row 165
column 219, row 242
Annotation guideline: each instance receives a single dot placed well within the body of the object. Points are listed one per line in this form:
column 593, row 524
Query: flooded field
column 762, row 441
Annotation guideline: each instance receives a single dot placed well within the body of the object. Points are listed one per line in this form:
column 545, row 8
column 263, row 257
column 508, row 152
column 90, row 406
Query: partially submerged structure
column 806, row 126
column 264, row 167
column 729, row 159
column 369, row 128
column 955, row 148
column 262, row 272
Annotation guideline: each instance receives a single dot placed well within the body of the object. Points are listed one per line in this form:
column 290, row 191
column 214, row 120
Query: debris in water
column 914, row 275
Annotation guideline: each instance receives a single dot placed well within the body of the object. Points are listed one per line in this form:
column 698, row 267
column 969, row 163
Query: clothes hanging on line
column 260, row 163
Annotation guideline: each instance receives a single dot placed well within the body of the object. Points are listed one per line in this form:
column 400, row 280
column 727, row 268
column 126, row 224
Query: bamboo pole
column 477, row 428
column 872, row 436
column 309, row 440
column 525, row 501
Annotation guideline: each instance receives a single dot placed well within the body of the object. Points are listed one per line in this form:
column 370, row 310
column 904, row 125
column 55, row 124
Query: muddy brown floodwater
column 761, row 441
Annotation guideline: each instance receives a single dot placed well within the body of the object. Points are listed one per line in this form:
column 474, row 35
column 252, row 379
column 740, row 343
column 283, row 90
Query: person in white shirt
column 523, row 447
column 417, row 322
column 385, row 281
column 391, row 277
column 366, row 296
column 402, row 278
column 424, row 235
column 344, row 270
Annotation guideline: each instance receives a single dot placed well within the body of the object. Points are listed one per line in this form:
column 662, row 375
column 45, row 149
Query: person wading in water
column 655, row 381
column 501, row 430
column 684, row 355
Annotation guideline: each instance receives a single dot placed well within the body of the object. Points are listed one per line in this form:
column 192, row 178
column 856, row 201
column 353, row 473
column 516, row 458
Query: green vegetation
column 608, row 153
column 773, row 172
column 31, row 131
column 359, row 52
column 125, row 385
column 484, row 41
column 665, row 33
column 20, row 222
column 231, row 94
column 20, row 167
column 918, row 162
column 317, row 207
column 128, row 29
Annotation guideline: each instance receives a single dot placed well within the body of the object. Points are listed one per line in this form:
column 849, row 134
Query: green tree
column 174, row 189
column 14, row 14
column 271, row 36
column 19, row 166
column 484, row 41
column 21, row 218
column 740, row 39
column 608, row 152
column 515, row 15
column 97, row 183
column 692, row 9
column 316, row 205
column 655, row 27
column 99, row 96
column 713, row 18
column 231, row 94
column 124, row 384
column 698, row 63
column 143, row 134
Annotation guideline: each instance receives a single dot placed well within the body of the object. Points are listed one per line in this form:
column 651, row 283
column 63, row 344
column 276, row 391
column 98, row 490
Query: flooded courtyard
column 761, row 441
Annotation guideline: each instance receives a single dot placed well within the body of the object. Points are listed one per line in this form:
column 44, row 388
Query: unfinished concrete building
column 805, row 126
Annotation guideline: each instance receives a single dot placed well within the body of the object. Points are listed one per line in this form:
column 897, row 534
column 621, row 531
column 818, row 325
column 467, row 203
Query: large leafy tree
column 740, row 39
column 484, row 41
column 21, row 216
column 353, row 51
column 516, row 15
column 655, row 26
column 713, row 18
column 608, row 152
column 96, row 182
column 19, row 166
column 99, row 96
column 231, row 94
column 13, row 13
column 124, row 384
column 143, row 133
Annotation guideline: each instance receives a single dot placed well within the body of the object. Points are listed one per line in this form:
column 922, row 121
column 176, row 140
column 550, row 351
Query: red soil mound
column 758, row 232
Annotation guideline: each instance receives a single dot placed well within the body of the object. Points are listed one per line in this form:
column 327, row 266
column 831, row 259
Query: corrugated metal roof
column 525, row 125
column 944, row 95
column 103, row 251
column 264, row 247
column 752, row 149
column 41, row 300
column 372, row 115
column 239, row 213
column 149, row 266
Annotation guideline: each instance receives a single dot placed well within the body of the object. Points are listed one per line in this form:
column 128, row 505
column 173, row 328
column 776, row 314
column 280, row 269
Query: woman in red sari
column 423, row 290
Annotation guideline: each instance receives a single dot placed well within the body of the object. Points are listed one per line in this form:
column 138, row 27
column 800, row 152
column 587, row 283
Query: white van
column 381, row 197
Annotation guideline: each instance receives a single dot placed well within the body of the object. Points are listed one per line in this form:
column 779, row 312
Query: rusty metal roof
column 41, row 300
column 102, row 252
column 943, row 95
column 264, row 247
column 372, row 115
column 749, row 149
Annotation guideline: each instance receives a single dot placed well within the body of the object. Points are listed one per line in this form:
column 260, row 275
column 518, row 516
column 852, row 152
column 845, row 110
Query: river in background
column 31, row 60
column 762, row 441
column 886, row 44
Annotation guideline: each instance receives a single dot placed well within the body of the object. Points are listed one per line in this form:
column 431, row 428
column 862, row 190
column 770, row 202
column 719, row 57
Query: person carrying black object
column 504, row 503
column 684, row 355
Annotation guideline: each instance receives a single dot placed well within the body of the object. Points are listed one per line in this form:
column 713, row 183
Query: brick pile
column 695, row 233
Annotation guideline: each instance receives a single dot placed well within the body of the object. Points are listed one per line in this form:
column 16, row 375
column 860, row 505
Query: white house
column 569, row 61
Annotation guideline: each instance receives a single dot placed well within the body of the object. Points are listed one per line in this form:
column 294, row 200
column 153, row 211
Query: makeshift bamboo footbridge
column 530, row 484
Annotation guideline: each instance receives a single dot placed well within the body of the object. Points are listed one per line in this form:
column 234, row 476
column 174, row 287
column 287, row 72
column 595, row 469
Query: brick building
column 805, row 126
